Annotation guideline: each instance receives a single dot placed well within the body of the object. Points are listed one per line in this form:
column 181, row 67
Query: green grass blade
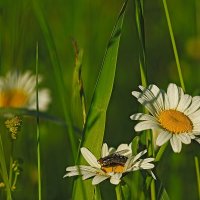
column 96, row 118
column 4, row 171
column 174, row 44
column 38, row 132
column 141, row 34
column 57, row 71
column 197, row 173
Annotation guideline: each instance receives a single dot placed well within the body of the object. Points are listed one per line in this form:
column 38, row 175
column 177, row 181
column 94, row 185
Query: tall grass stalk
column 197, row 173
column 174, row 44
column 38, row 131
column 118, row 191
column 143, row 71
column 4, row 171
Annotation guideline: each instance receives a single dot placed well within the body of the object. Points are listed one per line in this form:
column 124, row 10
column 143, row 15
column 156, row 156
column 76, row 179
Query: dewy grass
column 38, row 131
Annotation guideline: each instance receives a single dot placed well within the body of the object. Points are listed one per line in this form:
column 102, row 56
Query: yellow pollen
column 13, row 98
column 115, row 169
column 175, row 121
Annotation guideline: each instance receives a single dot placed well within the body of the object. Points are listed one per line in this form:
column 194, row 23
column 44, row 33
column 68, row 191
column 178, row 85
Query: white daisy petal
column 145, row 125
column 176, row 144
column 173, row 94
column 198, row 140
column 115, row 179
column 142, row 116
column 104, row 150
column 163, row 137
column 184, row 137
column 184, row 102
column 136, row 94
column 88, row 175
column 194, row 105
column 98, row 179
column 138, row 155
column 90, row 158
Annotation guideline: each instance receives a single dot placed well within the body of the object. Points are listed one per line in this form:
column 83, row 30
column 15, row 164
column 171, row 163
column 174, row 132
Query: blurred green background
column 90, row 23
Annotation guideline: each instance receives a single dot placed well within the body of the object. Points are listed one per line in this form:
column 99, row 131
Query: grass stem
column 198, row 174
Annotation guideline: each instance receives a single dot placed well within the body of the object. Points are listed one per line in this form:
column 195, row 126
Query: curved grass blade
column 95, row 123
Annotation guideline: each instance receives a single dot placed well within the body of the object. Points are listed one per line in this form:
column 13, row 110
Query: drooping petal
column 185, row 138
column 142, row 116
column 176, row 144
column 116, row 178
column 145, row 125
column 88, row 175
column 138, row 155
column 98, row 179
column 163, row 137
column 90, row 158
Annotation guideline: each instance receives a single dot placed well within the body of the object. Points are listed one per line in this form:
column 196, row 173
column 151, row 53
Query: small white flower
column 18, row 90
column 102, row 172
column 174, row 114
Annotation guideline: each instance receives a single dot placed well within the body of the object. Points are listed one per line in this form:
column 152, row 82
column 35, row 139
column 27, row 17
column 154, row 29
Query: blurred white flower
column 18, row 90
column 112, row 164
column 174, row 114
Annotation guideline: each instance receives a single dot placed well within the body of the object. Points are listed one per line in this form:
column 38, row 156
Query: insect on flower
column 113, row 162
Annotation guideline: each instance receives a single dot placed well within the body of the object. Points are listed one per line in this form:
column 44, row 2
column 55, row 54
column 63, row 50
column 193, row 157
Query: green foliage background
column 90, row 24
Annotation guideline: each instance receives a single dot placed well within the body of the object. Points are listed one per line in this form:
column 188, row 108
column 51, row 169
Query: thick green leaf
column 95, row 122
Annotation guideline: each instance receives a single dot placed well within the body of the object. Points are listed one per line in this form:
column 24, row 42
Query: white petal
column 166, row 101
column 139, row 155
column 194, row 105
column 104, row 150
column 198, row 140
column 147, row 166
column 195, row 116
column 173, row 95
column 158, row 95
column 176, row 144
column 136, row 94
column 184, row 102
column 163, row 137
column 145, row 125
column 115, row 179
column 185, row 138
column 142, row 116
column 90, row 158
column 88, row 175
column 98, row 179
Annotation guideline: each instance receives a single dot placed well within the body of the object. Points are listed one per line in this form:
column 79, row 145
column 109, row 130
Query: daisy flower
column 112, row 165
column 18, row 90
column 174, row 114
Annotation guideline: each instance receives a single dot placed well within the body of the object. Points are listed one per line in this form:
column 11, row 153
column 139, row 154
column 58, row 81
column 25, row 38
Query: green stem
column 198, row 173
column 173, row 44
column 118, row 191
column 11, row 164
column 160, row 152
column 38, row 131
column 153, row 190
column 4, row 171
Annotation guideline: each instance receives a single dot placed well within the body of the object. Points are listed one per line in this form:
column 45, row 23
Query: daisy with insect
column 113, row 164
column 18, row 90
column 174, row 114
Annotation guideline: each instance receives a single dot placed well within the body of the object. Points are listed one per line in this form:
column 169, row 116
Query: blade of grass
column 143, row 71
column 4, row 171
column 38, row 131
column 95, row 123
column 197, row 173
column 118, row 191
column 57, row 71
column 174, row 44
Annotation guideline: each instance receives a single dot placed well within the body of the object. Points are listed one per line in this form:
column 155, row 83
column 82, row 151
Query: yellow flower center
column 115, row 169
column 175, row 121
column 13, row 98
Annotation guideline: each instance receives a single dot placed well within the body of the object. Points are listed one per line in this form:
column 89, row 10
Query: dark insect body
column 112, row 160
